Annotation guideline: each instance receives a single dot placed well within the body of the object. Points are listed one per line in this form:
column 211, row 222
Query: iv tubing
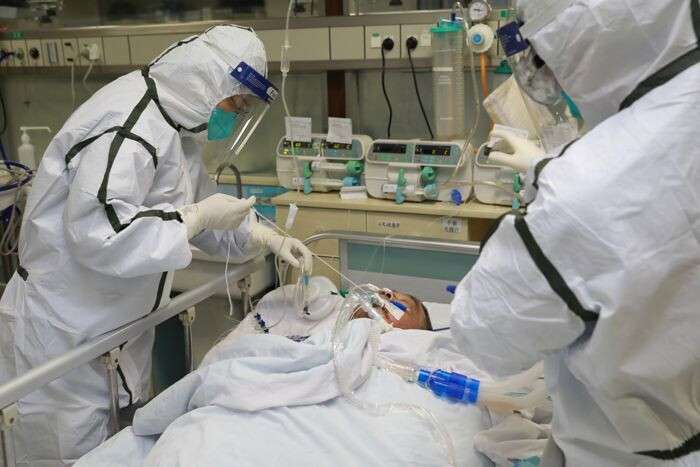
column 475, row 91
column 284, row 59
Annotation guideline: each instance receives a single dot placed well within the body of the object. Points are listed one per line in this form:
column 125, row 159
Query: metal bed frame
column 106, row 347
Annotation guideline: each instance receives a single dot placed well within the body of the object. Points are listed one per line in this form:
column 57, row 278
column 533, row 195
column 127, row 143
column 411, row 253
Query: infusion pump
column 320, row 165
column 412, row 170
column 493, row 183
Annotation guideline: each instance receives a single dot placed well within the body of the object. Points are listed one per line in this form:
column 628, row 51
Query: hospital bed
column 106, row 347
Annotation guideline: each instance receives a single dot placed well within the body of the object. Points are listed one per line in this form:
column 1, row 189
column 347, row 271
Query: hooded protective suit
column 601, row 277
column 101, row 236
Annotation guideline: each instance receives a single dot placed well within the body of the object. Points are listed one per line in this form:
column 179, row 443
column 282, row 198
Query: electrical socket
column 375, row 35
column 70, row 51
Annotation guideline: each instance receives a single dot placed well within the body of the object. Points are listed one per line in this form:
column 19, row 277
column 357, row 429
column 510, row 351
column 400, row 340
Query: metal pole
column 187, row 317
column 8, row 417
column 418, row 243
column 244, row 286
column 111, row 361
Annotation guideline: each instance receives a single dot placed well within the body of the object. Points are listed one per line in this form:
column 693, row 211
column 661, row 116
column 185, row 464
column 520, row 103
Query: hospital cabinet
column 321, row 212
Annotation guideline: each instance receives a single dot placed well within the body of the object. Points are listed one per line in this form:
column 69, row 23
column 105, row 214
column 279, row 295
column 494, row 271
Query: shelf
column 472, row 209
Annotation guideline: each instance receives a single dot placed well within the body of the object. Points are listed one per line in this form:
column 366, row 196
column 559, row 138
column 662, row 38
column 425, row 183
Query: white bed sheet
column 267, row 400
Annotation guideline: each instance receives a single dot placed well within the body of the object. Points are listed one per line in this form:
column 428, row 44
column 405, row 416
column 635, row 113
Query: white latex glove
column 217, row 212
column 289, row 249
column 524, row 153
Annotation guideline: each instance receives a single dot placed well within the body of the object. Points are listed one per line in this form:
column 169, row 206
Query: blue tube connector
column 456, row 197
column 454, row 387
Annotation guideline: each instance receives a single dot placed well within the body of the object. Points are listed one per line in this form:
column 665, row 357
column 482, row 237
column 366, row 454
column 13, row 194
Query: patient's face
column 413, row 318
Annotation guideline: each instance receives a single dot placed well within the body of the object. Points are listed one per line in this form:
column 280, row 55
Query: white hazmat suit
column 101, row 236
column 601, row 276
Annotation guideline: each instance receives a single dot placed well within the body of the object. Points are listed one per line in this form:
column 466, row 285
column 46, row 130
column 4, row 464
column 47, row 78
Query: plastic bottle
column 448, row 80
column 26, row 150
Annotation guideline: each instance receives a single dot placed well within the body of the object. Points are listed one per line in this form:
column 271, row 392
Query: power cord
column 388, row 45
column 411, row 44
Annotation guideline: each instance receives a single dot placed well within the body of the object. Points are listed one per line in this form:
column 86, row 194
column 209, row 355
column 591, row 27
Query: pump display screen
column 297, row 144
column 389, row 148
column 432, row 150
column 339, row 146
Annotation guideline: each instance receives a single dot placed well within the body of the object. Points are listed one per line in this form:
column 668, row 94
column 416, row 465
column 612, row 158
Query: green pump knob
column 354, row 168
column 401, row 180
column 307, row 170
column 428, row 175
column 517, row 183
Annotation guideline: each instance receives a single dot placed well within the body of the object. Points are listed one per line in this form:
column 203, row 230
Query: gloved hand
column 218, row 211
column 524, row 153
column 289, row 249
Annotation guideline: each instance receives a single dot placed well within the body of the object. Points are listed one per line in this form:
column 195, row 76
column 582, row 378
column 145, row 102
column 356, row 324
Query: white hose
column 86, row 76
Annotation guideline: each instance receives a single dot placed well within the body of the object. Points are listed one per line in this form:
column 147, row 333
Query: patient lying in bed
column 275, row 313
column 262, row 399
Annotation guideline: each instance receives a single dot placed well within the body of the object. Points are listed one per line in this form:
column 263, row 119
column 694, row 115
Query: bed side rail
column 105, row 347
column 419, row 243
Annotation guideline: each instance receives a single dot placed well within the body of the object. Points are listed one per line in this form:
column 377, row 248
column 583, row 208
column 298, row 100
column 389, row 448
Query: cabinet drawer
column 417, row 225
column 311, row 221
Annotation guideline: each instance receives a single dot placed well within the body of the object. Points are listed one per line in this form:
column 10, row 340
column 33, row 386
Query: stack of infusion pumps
column 321, row 165
column 410, row 170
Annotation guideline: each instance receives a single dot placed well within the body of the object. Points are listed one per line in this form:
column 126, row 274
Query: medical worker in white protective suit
column 120, row 195
column 601, row 276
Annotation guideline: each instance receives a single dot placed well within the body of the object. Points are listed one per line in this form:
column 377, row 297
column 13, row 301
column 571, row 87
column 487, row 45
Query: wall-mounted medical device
column 410, row 170
column 321, row 165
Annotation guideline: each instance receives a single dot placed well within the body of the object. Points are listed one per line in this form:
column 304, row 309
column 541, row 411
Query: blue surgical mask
column 221, row 124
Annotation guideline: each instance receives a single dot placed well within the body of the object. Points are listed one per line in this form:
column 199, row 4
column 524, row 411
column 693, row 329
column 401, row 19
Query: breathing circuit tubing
column 347, row 311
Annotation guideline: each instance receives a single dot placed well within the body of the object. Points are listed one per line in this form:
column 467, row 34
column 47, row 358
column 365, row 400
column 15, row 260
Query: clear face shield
column 234, row 120
column 264, row 93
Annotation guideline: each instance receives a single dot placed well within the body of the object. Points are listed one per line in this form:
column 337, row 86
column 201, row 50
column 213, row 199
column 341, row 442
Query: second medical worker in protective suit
column 120, row 194
column 601, row 277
